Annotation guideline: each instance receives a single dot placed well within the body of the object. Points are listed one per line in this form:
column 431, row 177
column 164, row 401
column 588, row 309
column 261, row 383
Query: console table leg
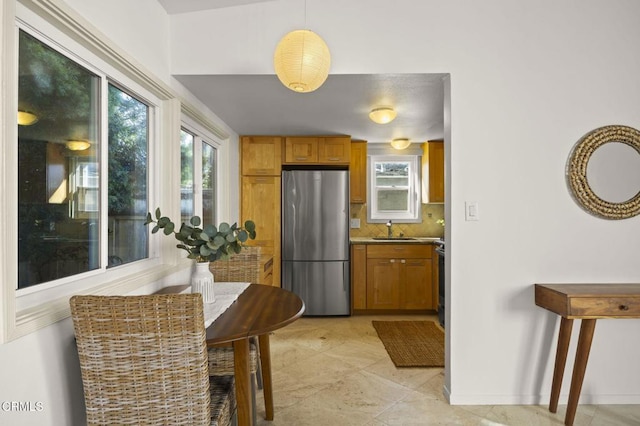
column 582, row 356
column 564, row 337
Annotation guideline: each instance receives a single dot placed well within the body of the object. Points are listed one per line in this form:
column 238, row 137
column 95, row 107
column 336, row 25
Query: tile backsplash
column 428, row 228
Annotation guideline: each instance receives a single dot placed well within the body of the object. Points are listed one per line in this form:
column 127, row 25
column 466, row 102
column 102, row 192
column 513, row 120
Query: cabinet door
column 261, row 203
column 359, row 276
column 301, row 150
column 415, row 287
column 358, row 172
column 433, row 172
column 261, row 155
column 383, row 284
column 334, row 150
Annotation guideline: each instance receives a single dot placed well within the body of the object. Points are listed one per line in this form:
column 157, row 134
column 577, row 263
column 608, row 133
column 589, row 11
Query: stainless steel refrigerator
column 315, row 239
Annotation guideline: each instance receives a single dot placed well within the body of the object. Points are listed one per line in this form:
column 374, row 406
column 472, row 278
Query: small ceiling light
column 382, row 115
column 302, row 61
column 77, row 145
column 26, row 118
column 401, row 143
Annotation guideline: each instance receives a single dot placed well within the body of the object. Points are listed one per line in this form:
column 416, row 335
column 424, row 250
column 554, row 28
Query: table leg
column 582, row 356
column 265, row 363
column 243, row 381
column 564, row 337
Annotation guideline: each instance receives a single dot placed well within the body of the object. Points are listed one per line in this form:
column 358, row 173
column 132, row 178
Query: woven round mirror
column 582, row 183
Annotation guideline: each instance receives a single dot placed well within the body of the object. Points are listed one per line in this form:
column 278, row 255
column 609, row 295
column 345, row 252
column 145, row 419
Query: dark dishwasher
column 440, row 250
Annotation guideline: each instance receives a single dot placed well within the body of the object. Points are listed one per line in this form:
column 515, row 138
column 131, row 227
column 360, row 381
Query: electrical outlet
column 355, row 223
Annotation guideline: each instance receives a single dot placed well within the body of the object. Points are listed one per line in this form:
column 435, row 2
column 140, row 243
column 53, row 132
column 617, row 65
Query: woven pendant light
column 302, row 61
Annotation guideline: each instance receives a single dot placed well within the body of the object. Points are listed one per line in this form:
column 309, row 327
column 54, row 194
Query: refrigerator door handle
column 345, row 275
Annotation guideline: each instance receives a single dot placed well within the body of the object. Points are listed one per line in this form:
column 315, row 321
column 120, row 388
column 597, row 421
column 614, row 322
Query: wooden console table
column 587, row 302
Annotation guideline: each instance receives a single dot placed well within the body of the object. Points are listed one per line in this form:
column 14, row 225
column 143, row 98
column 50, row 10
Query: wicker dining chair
column 241, row 267
column 143, row 360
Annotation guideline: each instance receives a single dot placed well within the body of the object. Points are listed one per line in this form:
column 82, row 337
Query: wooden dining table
column 258, row 310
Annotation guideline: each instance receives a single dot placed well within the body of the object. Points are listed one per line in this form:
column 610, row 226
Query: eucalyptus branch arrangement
column 208, row 243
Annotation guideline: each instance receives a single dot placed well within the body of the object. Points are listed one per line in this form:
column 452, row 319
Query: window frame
column 412, row 214
column 33, row 296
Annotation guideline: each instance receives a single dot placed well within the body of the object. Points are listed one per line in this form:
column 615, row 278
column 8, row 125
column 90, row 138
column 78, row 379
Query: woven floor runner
column 412, row 343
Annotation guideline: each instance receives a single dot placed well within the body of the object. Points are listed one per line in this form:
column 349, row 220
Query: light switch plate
column 471, row 211
column 355, row 223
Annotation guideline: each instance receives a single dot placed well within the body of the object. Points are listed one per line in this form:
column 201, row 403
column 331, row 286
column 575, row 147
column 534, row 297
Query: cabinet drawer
column 394, row 251
column 605, row 307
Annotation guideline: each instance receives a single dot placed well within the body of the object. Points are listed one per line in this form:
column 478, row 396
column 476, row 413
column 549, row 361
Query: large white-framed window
column 65, row 205
column 394, row 188
column 61, row 158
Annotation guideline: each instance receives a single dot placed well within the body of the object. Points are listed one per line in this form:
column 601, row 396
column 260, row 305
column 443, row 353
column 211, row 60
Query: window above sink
column 394, row 188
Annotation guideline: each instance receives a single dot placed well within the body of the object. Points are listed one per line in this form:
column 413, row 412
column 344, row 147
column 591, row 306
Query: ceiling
column 260, row 104
column 182, row 6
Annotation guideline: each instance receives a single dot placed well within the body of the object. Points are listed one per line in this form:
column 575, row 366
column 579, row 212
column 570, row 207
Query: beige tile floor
column 335, row 371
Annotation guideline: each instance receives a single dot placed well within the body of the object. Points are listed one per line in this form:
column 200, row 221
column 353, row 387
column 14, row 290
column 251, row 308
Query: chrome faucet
column 389, row 231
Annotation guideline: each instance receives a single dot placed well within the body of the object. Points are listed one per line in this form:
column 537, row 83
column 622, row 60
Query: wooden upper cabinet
column 301, row 150
column 317, row 150
column 334, row 150
column 433, row 172
column 358, row 172
column 261, row 155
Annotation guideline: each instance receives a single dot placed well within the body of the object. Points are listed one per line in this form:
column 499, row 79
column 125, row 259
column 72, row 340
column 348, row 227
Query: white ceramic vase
column 202, row 282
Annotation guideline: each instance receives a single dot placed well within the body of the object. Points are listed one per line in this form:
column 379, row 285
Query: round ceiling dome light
column 26, row 118
column 382, row 115
column 77, row 145
column 302, row 61
column 401, row 143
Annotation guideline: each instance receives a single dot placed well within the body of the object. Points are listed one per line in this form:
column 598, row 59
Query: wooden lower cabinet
column 415, row 284
column 383, row 284
column 359, row 276
column 390, row 277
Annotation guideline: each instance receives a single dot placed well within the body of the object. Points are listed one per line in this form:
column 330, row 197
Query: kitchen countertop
column 413, row 240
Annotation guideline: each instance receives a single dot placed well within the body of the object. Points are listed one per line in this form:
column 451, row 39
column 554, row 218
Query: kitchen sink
column 393, row 238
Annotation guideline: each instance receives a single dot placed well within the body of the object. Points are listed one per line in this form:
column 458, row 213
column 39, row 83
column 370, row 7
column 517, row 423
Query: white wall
column 528, row 79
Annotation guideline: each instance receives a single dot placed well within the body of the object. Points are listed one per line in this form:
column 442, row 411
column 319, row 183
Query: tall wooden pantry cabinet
column 261, row 166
